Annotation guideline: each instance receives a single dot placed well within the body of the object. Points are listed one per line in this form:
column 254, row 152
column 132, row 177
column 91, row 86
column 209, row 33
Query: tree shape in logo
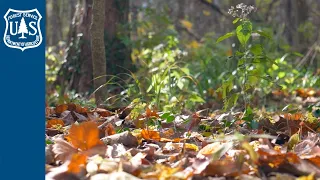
column 22, row 29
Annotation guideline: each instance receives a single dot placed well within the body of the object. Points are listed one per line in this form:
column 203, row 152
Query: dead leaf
column 77, row 162
column 80, row 117
column 150, row 135
column 61, row 108
column 103, row 112
column 215, row 150
column 67, row 117
column 125, row 138
column 109, row 130
column 115, row 175
column 226, row 167
column 84, row 136
column 151, row 113
column 63, row 150
column 187, row 24
column 53, row 123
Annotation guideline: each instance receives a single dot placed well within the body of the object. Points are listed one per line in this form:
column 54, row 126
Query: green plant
column 250, row 57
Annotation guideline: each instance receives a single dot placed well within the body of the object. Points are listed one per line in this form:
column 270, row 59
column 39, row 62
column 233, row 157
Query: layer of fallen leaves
column 84, row 143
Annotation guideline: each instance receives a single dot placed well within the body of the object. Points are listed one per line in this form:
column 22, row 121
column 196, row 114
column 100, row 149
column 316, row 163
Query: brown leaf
column 61, row 108
column 78, row 161
column 150, row 135
column 49, row 111
column 274, row 159
column 67, row 117
column 80, row 109
column 103, row 112
column 63, row 150
column 52, row 123
column 225, row 167
column 84, row 136
column 151, row 113
column 53, row 132
column 72, row 107
column 125, row 138
column 80, row 117
column 109, row 130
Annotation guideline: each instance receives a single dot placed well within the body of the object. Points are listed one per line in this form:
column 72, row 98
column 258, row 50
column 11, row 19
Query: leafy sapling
column 250, row 57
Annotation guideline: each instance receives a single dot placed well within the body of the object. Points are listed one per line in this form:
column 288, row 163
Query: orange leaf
column 294, row 117
column 60, row 108
column 150, row 113
column 53, row 122
column 84, row 136
column 175, row 140
column 150, row 135
column 77, row 161
column 80, row 109
column 103, row 112
column 72, row 107
column 110, row 130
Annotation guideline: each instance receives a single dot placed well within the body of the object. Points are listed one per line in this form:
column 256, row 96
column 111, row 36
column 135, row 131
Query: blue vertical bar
column 22, row 90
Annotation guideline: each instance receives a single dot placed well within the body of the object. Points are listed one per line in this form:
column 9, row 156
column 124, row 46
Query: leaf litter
column 101, row 144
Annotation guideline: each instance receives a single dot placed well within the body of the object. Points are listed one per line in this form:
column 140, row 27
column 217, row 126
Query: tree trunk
column 76, row 74
column 98, row 50
column 56, row 23
column 118, row 52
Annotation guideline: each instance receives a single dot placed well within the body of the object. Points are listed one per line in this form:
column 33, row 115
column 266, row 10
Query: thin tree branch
column 214, row 7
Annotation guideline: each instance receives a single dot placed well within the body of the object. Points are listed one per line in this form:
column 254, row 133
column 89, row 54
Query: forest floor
column 136, row 142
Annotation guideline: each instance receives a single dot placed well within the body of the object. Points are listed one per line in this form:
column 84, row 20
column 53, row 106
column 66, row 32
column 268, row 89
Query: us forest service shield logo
column 22, row 29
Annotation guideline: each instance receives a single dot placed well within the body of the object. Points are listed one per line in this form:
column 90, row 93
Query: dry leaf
column 103, row 112
column 52, row 123
column 186, row 24
column 77, row 162
column 61, row 108
column 84, row 136
column 125, row 138
column 63, row 150
column 152, row 113
column 109, row 130
column 150, row 135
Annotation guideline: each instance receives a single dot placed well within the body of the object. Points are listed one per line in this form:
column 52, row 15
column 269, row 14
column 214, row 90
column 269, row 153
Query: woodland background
column 183, row 89
column 140, row 34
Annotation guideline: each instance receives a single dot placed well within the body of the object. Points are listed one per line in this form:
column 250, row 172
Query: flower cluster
column 241, row 10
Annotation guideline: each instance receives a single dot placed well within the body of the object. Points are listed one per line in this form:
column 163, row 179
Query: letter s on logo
column 32, row 27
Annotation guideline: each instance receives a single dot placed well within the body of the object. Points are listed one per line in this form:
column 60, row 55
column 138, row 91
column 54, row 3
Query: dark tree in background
column 76, row 73
column 98, row 50
column 293, row 24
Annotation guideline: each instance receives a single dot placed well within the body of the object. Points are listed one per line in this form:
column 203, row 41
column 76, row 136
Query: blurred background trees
column 166, row 51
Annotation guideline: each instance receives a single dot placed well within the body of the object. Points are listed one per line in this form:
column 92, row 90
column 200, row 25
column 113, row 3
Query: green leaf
column 236, row 20
column 243, row 32
column 165, row 115
column 297, row 54
column 170, row 119
column 275, row 67
column 264, row 34
column 256, row 49
column 281, row 74
column 226, row 36
column 294, row 139
column 49, row 142
column 196, row 98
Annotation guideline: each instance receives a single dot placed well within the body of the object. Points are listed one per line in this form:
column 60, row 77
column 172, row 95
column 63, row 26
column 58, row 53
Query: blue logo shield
column 22, row 29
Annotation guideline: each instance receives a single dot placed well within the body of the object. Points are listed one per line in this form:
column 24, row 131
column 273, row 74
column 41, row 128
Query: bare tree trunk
column 98, row 50
column 56, row 23
column 118, row 53
column 76, row 73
